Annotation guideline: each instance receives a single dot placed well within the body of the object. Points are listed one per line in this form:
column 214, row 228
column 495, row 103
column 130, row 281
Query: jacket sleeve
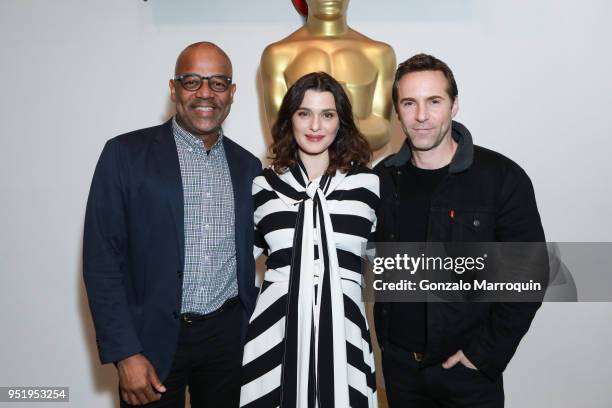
column 384, row 218
column 518, row 221
column 259, row 243
column 105, row 241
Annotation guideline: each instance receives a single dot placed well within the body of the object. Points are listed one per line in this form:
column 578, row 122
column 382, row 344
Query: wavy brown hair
column 348, row 149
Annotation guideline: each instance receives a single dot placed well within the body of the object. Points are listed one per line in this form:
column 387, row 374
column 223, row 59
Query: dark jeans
column 410, row 386
column 208, row 361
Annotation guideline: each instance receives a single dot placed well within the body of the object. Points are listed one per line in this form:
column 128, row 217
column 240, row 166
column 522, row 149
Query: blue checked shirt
column 209, row 277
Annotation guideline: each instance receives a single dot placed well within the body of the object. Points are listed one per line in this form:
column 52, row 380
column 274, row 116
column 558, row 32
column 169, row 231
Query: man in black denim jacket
column 441, row 188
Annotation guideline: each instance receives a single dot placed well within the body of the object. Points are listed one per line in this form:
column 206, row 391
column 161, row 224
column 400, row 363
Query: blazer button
column 476, row 223
column 391, row 236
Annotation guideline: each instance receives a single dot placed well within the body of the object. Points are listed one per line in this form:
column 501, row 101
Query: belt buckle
column 185, row 317
column 418, row 357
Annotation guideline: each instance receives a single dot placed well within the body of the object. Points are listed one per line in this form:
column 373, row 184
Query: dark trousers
column 410, row 386
column 208, row 362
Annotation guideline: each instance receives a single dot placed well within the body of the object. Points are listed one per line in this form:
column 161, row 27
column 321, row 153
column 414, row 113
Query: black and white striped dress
column 308, row 343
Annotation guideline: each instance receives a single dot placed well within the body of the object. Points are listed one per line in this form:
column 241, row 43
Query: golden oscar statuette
column 326, row 43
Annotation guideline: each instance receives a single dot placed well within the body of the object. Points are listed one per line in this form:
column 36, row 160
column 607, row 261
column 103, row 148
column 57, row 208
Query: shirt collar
column 190, row 139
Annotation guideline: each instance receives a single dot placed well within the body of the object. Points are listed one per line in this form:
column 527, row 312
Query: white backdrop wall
column 534, row 81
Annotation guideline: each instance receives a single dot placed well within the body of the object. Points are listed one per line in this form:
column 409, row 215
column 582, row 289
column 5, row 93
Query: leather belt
column 195, row 317
column 418, row 357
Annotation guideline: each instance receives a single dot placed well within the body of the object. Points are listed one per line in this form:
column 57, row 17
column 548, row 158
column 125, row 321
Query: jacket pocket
column 473, row 225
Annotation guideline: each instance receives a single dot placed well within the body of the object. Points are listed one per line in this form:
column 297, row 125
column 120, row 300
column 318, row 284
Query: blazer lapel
column 169, row 173
column 242, row 195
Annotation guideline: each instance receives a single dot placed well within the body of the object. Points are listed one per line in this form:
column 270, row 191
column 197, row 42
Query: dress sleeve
column 376, row 189
column 259, row 243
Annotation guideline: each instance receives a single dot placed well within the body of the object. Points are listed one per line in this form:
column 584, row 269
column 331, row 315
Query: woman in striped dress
column 308, row 343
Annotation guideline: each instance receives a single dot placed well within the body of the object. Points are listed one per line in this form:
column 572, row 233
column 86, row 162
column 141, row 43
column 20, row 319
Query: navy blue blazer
column 133, row 245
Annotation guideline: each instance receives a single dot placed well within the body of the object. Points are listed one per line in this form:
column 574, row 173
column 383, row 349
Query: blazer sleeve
column 105, row 242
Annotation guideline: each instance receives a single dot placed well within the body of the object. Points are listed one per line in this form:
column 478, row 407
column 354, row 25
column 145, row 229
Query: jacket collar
column 164, row 132
column 462, row 160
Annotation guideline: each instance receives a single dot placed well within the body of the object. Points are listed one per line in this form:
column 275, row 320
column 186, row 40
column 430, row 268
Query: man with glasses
column 168, row 246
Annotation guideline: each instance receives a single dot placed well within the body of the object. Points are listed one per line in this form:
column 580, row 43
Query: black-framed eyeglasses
column 193, row 82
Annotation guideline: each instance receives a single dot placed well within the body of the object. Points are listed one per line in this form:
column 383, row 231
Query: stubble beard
column 437, row 141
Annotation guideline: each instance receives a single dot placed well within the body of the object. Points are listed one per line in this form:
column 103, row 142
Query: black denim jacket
column 485, row 197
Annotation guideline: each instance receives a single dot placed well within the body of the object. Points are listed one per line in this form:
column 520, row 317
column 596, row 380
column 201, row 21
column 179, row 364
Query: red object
column 452, row 214
column 301, row 7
